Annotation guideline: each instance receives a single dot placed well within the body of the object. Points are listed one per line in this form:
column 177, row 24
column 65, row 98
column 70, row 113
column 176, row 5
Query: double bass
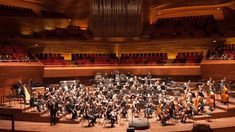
column 224, row 95
column 211, row 99
column 196, row 105
column 158, row 111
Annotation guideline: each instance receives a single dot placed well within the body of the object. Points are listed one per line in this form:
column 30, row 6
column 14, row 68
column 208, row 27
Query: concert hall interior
column 117, row 65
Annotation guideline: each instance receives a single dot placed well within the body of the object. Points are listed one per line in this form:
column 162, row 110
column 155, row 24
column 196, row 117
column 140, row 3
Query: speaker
column 130, row 129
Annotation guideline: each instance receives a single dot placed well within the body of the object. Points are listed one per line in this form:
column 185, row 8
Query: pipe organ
column 116, row 18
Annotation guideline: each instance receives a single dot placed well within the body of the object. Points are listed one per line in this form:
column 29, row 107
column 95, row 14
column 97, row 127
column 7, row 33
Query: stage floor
column 222, row 124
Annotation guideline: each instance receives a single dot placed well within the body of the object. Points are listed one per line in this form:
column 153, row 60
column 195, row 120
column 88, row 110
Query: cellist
column 196, row 104
column 224, row 95
column 211, row 99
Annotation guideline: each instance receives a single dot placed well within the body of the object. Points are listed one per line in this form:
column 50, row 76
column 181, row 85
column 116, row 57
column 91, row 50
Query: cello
column 196, row 105
column 211, row 99
column 224, row 95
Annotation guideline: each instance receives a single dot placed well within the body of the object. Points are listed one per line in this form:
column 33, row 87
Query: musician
column 211, row 99
column 89, row 116
column 110, row 113
column 221, row 84
column 124, row 111
column 201, row 104
column 34, row 101
column 149, row 76
column 70, row 107
column 20, row 90
column 224, row 95
column 53, row 107
column 159, row 109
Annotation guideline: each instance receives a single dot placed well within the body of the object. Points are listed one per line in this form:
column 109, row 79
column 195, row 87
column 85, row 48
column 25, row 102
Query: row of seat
column 190, row 26
column 124, row 59
column 14, row 53
column 95, row 59
column 69, row 32
column 189, row 57
column 6, row 10
column 222, row 52
column 45, row 13
column 51, row 59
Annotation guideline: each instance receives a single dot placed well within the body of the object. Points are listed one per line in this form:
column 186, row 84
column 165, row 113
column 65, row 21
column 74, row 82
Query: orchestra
column 115, row 94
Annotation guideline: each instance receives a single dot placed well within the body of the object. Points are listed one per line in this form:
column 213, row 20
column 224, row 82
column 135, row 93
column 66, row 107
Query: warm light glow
column 26, row 31
column 49, row 27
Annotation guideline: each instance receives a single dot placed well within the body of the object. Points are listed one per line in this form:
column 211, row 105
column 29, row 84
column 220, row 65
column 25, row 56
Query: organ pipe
column 116, row 18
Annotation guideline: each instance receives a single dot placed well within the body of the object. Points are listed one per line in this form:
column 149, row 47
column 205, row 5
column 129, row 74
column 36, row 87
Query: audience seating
column 69, row 32
column 95, row 59
column 6, row 10
column 189, row 57
column 10, row 53
column 143, row 58
column 222, row 52
column 51, row 59
column 189, row 26
column 46, row 14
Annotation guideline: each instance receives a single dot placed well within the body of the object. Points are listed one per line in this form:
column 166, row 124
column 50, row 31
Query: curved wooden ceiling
column 78, row 10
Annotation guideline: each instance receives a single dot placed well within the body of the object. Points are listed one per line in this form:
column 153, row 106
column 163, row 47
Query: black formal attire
column 53, row 106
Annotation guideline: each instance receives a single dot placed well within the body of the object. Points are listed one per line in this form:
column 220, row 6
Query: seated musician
column 211, row 99
column 124, row 111
column 148, row 111
column 70, row 109
column 20, row 90
column 89, row 116
column 188, row 112
column 110, row 113
column 224, row 95
column 34, row 102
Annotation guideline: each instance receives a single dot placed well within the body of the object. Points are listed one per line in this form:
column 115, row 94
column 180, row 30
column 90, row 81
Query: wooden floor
column 222, row 124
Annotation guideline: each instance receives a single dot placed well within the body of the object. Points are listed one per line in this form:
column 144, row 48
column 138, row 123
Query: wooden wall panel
column 53, row 72
column 217, row 69
column 11, row 73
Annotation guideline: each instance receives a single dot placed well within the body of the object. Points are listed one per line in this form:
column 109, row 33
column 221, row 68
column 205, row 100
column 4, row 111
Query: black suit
column 53, row 106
